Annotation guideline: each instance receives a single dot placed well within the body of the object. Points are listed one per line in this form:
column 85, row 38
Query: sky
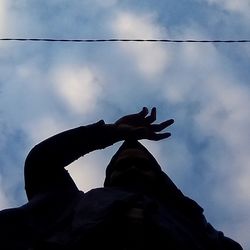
column 46, row 88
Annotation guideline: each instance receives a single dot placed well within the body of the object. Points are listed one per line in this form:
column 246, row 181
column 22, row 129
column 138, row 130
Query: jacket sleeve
column 44, row 169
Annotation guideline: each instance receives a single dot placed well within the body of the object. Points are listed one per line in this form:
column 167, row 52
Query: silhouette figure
column 139, row 207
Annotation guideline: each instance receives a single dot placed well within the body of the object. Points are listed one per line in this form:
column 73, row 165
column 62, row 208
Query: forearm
column 64, row 148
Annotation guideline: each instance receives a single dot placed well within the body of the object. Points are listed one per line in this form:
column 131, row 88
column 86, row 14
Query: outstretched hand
column 140, row 126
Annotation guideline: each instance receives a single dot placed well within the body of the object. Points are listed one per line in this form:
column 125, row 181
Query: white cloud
column 2, row 17
column 87, row 172
column 78, row 87
column 42, row 128
column 226, row 117
column 4, row 202
column 149, row 58
column 241, row 231
column 4, row 26
column 106, row 3
column 220, row 115
column 25, row 94
column 240, row 6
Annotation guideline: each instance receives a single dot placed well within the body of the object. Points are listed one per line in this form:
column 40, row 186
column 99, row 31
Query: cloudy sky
column 46, row 88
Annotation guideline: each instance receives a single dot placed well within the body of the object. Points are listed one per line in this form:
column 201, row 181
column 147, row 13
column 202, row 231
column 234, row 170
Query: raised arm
column 46, row 162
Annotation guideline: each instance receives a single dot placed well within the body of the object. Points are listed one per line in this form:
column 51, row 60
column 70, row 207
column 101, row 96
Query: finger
column 161, row 126
column 145, row 133
column 152, row 117
column 158, row 137
column 144, row 112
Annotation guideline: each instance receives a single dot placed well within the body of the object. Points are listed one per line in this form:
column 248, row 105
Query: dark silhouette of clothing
column 59, row 216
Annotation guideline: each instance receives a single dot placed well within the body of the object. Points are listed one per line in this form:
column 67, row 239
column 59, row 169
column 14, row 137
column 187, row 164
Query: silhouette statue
column 138, row 208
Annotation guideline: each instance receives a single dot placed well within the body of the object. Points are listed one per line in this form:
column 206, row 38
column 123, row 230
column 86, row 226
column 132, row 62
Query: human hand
column 140, row 126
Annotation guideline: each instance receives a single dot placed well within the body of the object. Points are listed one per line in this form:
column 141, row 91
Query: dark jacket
column 59, row 216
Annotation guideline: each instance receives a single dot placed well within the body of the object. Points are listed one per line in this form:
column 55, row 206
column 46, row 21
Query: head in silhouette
column 133, row 167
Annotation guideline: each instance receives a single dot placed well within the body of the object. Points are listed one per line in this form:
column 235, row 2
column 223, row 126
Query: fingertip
column 171, row 121
column 166, row 135
column 144, row 111
column 167, row 123
column 159, row 137
column 153, row 114
column 153, row 110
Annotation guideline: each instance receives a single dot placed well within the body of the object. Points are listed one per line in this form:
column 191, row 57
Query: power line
column 122, row 40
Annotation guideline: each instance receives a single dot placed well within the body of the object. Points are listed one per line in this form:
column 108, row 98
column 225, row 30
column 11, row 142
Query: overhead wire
column 122, row 40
